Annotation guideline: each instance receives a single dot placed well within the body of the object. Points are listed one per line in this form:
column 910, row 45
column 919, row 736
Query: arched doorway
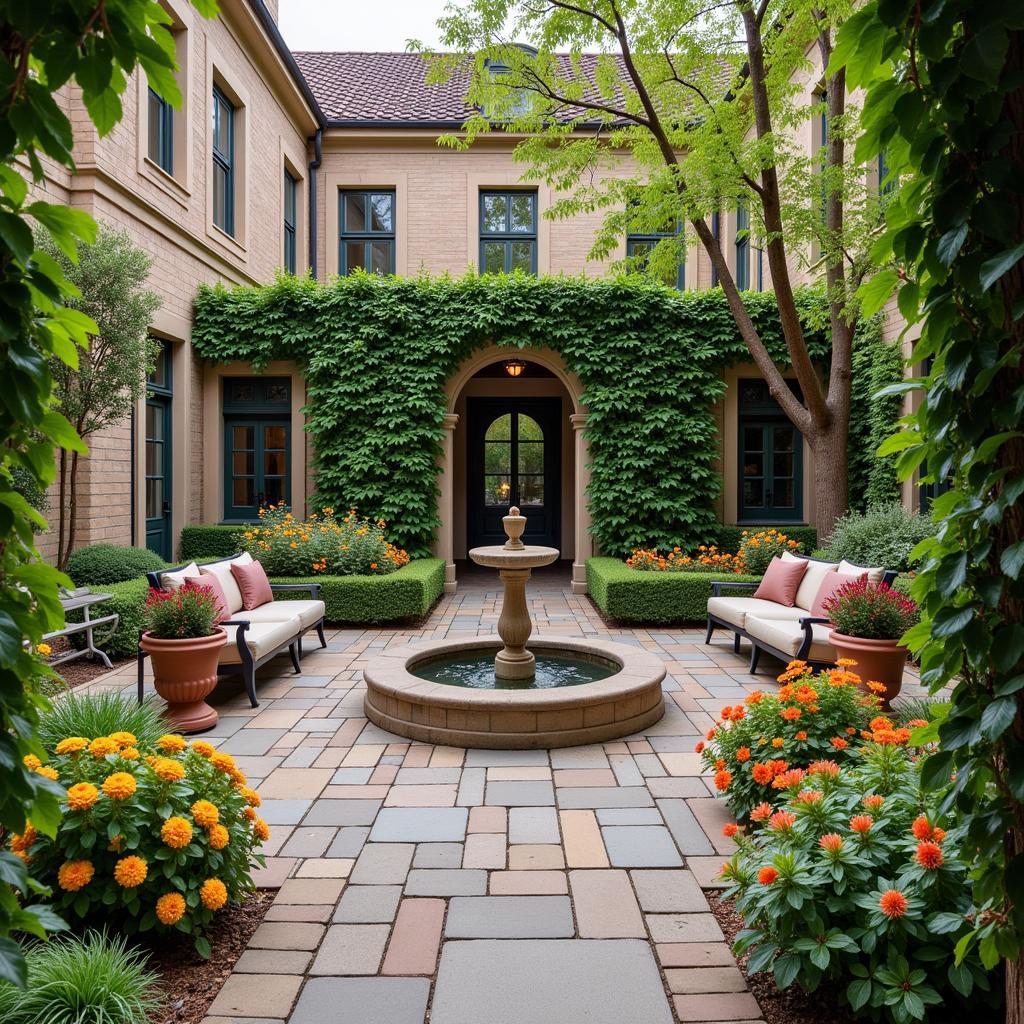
column 514, row 438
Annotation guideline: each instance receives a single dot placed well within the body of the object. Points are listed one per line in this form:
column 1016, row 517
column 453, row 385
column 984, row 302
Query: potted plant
column 868, row 620
column 184, row 639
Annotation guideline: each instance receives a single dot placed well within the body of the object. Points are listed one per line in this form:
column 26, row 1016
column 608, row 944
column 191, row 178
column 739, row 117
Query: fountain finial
column 514, row 524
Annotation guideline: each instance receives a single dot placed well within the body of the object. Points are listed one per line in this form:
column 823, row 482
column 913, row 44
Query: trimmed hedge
column 99, row 565
column 209, row 542
column 405, row 594
column 128, row 600
column 665, row 597
column 730, row 537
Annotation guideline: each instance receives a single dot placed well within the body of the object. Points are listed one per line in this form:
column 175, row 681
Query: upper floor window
column 742, row 247
column 161, row 132
column 291, row 188
column 716, row 231
column 508, row 232
column 885, row 183
column 367, row 231
column 639, row 247
column 223, row 162
column 821, row 98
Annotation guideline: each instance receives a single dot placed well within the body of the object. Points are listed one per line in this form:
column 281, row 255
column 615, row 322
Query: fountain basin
column 628, row 700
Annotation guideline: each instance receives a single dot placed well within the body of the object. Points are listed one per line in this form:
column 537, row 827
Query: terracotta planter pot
column 879, row 661
column 185, row 673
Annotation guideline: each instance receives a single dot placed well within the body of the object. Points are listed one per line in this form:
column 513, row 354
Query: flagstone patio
column 467, row 886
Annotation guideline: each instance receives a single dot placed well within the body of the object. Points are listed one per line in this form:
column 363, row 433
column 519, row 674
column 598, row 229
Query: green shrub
column 99, row 565
column 407, row 593
column 729, row 538
column 100, row 714
column 209, row 541
column 883, row 535
column 96, row 979
column 634, row 596
column 129, row 601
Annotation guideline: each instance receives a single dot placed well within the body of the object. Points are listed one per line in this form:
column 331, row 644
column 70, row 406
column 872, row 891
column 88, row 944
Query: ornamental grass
column 322, row 544
column 161, row 836
column 859, row 879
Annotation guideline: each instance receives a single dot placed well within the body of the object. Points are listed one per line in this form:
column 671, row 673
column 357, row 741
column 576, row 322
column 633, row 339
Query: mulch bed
column 793, row 1006
column 191, row 983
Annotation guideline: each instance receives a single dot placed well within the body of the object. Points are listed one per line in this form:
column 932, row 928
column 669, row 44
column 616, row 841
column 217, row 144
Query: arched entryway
column 514, row 438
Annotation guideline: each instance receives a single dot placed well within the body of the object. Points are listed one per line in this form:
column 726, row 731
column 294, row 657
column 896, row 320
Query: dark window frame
column 652, row 238
column 716, row 230
column 508, row 236
column 224, row 161
column 290, row 215
column 162, row 153
column 366, row 235
column 742, row 246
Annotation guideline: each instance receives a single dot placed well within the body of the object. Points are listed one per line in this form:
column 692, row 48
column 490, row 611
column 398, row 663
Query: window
column 716, row 230
column 508, row 232
column 770, row 459
column 367, row 231
column 885, row 185
column 161, row 132
column 823, row 154
column 291, row 187
column 639, row 246
column 257, row 445
column 742, row 248
column 223, row 163
column 760, row 269
column 157, row 441
column 515, row 105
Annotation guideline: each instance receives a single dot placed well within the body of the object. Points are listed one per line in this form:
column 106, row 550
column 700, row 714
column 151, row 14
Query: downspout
column 314, row 166
column 132, row 483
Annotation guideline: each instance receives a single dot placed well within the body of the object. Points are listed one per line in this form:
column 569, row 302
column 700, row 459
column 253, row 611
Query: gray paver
column 419, row 824
column 446, row 882
column 520, row 794
column 572, row 981
column 343, row 812
column 668, row 892
column 283, row 812
column 368, row 904
column 506, row 758
column 629, row 816
column 362, row 1000
column 604, row 796
column 382, row 864
column 685, row 828
column 533, row 825
column 438, row 855
column 252, row 741
column 509, row 917
column 351, row 949
column 640, row 846
column 427, row 776
column 471, row 789
column 348, row 842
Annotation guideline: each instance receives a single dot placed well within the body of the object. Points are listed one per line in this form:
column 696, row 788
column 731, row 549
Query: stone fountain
column 494, row 692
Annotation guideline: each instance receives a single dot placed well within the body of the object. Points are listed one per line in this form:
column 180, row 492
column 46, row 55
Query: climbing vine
column 378, row 351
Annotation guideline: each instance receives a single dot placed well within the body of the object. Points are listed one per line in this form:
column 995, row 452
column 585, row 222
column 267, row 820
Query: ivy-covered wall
column 377, row 353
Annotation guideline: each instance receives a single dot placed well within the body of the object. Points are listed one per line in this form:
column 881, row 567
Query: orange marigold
column 699, row 748
column 801, row 736
column 875, row 687
column 778, row 742
column 204, row 748
column 879, row 722
column 929, row 855
column 130, row 872
column 225, row 762
column 893, row 903
column 205, row 814
column 755, row 698
column 170, row 908
column 743, row 754
column 47, row 772
column 839, row 743
column 172, row 743
column 938, row 834
column 176, row 832
column 762, row 774
column 862, row 823
column 249, row 813
column 72, row 745
column 75, row 874
column 23, row 842
column 723, row 779
column 785, row 779
column 120, row 785
column 790, row 714
column 129, row 754
column 103, row 745
column 82, row 795
column 124, row 739
column 730, row 830
column 767, row 875
column 262, row 829
column 846, row 662
column 214, row 894
column 168, row 770
column 219, row 837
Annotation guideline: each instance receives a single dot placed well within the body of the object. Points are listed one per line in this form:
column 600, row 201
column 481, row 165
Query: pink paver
column 416, row 937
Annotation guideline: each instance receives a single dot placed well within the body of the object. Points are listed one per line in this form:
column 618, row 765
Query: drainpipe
column 131, row 484
column 314, row 166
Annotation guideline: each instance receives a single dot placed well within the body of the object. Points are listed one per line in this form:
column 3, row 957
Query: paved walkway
column 478, row 886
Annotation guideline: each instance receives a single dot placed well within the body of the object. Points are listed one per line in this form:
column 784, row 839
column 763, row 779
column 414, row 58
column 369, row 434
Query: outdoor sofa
column 259, row 633
column 786, row 632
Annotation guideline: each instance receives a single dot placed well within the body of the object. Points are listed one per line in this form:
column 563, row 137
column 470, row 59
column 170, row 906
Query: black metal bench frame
column 248, row 664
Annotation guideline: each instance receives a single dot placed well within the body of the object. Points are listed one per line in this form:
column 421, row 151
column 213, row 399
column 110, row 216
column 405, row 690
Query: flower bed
column 632, row 595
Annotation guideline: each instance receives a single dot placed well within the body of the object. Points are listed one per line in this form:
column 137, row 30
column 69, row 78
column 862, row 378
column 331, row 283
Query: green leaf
column 12, row 963
column 203, row 947
column 785, row 969
column 992, row 270
column 858, row 993
column 950, row 244
column 16, row 235
column 936, row 770
column 876, row 291
column 104, row 109
column 998, row 717
column 1011, row 561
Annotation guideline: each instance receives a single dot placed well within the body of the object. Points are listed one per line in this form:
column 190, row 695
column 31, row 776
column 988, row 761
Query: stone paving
column 421, row 883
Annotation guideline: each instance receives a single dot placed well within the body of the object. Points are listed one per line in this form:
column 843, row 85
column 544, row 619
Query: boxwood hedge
column 664, row 597
column 208, row 541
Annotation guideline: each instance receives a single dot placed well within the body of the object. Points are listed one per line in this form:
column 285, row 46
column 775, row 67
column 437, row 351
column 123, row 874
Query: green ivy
column 377, row 353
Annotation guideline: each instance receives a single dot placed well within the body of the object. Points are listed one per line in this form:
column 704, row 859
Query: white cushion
column 172, row 581
column 811, row 581
column 222, row 570
column 261, row 638
column 308, row 612
column 787, row 636
column 874, row 574
column 735, row 610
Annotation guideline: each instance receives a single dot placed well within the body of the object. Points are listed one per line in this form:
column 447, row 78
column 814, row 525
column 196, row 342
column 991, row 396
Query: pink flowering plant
column 871, row 611
column 854, row 879
column 185, row 614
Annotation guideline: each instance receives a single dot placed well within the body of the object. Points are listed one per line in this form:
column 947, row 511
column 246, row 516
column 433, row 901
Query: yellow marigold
column 124, row 739
column 116, row 845
column 262, row 829
column 75, row 874
column 44, row 649
column 176, row 832
column 252, row 798
column 249, row 813
column 72, row 745
column 130, row 872
column 103, row 745
column 171, row 743
column 47, row 772
column 219, row 837
column 21, row 843
column 170, row 908
column 169, row 770
column 214, row 894
column 204, row 748
column 82, row 796
column 129, row 754
column 120, row 785
column 31, row 761
column 205, row 814
column 225, row 762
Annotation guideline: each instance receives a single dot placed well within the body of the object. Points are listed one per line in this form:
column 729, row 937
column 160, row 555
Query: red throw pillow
column 253, row 583
column 211, row 584
column 782, row 581
column 830, row 583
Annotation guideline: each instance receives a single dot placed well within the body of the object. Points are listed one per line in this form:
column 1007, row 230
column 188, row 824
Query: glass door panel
column 771, row 472
column 257, row 462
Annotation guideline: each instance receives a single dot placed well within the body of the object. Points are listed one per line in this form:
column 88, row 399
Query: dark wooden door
column 514, row 458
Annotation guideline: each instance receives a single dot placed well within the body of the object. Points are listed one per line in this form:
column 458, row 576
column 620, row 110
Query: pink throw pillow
column 782, row 581
column 253, row 583
column 211, row 584
column 830, row 583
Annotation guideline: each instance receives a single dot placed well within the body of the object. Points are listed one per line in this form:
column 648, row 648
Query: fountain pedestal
column 514, row 561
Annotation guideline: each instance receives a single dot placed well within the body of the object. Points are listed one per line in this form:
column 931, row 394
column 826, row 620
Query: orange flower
column 726, row 713
column 839, row 743
column 873, row 802
column 784, row 780
column 710, row 734
column 103, row 745
column 875, row 686
column 262, row 829
column 760, row 812
column 767, row 875
column 176, row 833
column 828, row 769
column 851, row 730
column 214, row 894
column 806, row 695
column 168, row 770
column 790, row 714
column 762, row 774
column 124, row 739
column 719, row 764
column 755, row 698
column 21, row 843
column 219, row 837
column 700, row 746
column 801, row 736
column 862, row 823
column 929, row 856
column 252, row 798
column 893, row 904
column 730, row 830
column 738, row 713
column 204, row 748
column 782, row 821
column 878, row 723
column 778, row 742
column 225, row 762
column 205, row 814
column 119, row 786
column 809, row 796
column 130, row 872
column 72, row 745
column 743, row 754
column 75, row 874
column 82, row 796
column 170, row 908
column 172, row 743
column 723, row 780
column 917, row 723
column 831, row 842
column 938, row 834
column 846, row 662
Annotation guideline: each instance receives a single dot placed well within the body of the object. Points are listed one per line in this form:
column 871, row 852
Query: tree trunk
column 72, row 511
column 831, row 487
column 62, row 509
